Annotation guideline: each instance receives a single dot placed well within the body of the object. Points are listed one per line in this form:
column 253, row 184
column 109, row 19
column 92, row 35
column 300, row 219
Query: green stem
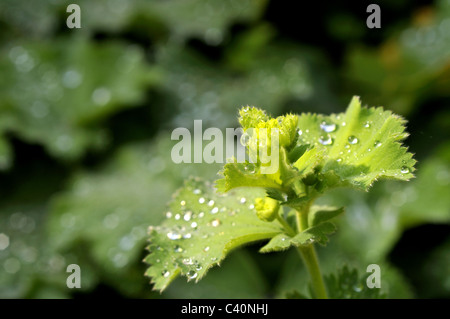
column 309, row 256
column 286, row 226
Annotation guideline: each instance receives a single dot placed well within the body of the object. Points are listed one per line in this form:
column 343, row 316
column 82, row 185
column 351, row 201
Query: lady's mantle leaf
column 317, row 233
column 347, row 284
column 200, row 230
column 361, row 146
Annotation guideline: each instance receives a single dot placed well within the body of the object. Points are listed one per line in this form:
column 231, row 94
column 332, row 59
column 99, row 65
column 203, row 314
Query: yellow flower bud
column 266, row 208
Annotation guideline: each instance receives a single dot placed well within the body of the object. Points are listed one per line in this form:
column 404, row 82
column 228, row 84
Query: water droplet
column 4, row 241
column 173, row 235
column 358, row 288
column 101, row 96
column 187, row 261
column 127, row 243
column 178, row 249
column 64, row 143
column 300, row 132
column 211, row 203
column 12, row 265
column 165, row 273
column 187, row 236
column 177, row 216
column 243, row 200
column 367, row 124
column 213, row 259
column 344, row 124
column 187, row 217
column 201, row 214
column 339, row 160
column 39, row 109
column 72, row 79
column 215, row 223
column 283, row 239
column 198, row 266
column 404, row 170
column 369, row 150
column 352, row 139
column 326, row 140
column 197, row 191
column 206, row 249
column 215, row 210
column 251, row 206
column 191, row 274
column 183, row 203
column 168, row 215
column 194, row 225
column 201, row 200
column 328, row 128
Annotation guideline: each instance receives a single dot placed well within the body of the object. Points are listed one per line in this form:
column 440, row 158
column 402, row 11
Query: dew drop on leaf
column 377, row 144
column 211, row 203
column 178, row 249
column 352, row 139
column 206, row 249
column 191, row 275
column 215, row 210
column 201, row 214
column 326, row 140
column 173, row 235
column 187, row 261
column 404, row 170
column 165, row 273
column 183, row 203
column 243, row 200
column 187, row 236
column 215, row 223
column 328, row 128
column 194, row 225
column 187, row 217
column 201, row 200
column 367, row 124
column 168, row 215
column 177, row 216
column 197, row 191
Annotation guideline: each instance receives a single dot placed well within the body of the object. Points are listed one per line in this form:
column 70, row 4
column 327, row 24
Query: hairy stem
column 309, row 256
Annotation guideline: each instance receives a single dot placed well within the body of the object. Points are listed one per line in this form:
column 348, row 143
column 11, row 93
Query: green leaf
column 347, row 284
column 320, row 214
column 309, row 161
column 317, row 234
column 107, row 211
column 244, row 175
column 201, row 229
column 58, row 93
column 278, row 243
column 361, row 146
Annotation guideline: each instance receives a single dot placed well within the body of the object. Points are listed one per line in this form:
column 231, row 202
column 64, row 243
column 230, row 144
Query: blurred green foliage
column 86, row 115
